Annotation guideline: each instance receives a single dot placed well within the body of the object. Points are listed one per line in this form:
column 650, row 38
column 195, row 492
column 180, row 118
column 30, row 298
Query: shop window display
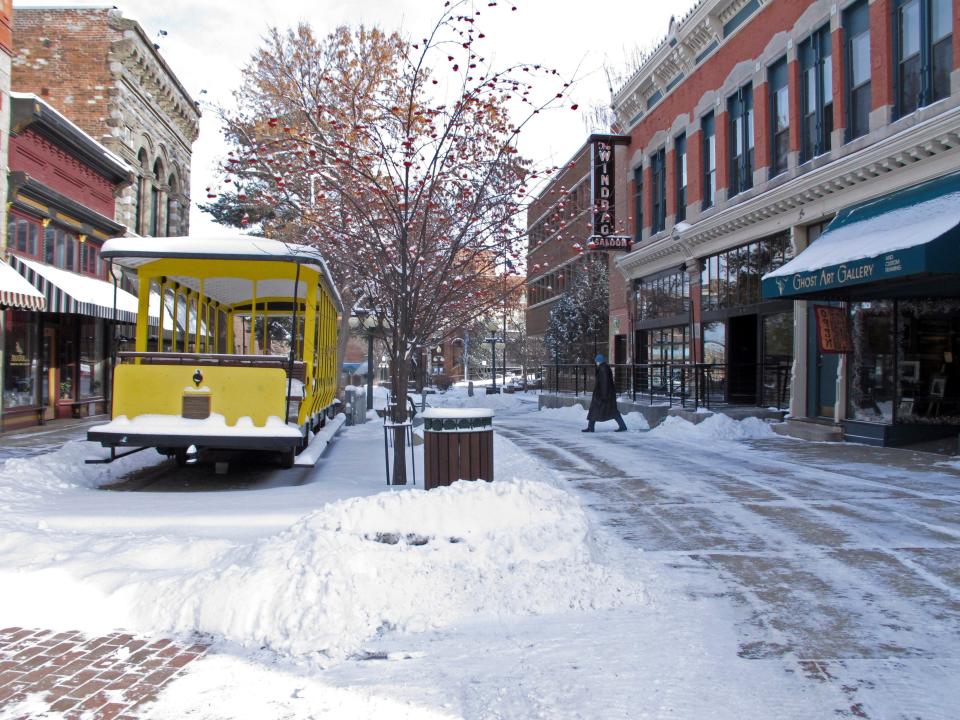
column 20, row 361
column 928, row 368
column 92, row 358
column 872, row 387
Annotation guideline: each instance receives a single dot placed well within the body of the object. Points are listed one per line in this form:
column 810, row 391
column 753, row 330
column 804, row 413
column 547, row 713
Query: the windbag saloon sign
column 603, row 179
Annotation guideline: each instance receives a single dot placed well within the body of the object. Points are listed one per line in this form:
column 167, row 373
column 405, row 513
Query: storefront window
column 19, row 361
column 872, row 385
column 663, row 296
column 92, row 358
column 715, row 343
column 732, row 278
column 777, row 359
column 927, row 364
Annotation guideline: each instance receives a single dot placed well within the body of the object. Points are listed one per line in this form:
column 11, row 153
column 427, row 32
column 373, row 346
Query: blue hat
column 599, row 358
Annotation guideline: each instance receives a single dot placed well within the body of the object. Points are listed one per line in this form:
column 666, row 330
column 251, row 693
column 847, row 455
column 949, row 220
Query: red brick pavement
column 103, row 678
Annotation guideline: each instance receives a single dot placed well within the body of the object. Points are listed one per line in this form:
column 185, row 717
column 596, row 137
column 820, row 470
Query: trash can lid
column 456, row 413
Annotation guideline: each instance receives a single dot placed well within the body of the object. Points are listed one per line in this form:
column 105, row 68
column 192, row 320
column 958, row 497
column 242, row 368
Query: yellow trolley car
column 236, row 347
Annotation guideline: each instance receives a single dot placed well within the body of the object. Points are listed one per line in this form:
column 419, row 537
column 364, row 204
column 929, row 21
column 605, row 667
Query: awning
column 68, row 292
column 911, row 234
column 16, row 292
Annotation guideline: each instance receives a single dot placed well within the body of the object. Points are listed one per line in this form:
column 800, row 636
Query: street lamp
column 366, row 320
column 493, row 339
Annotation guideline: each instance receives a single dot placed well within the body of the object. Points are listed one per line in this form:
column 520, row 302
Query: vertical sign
column 833, row 329
column 604, row 235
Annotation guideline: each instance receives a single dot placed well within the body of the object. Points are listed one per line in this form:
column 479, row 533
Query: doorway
column 742, row 347
column 49, row 391
column 822, row 374
column 620, row 359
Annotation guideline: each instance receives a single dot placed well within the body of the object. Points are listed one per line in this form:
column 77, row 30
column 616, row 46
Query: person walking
column 603, row 403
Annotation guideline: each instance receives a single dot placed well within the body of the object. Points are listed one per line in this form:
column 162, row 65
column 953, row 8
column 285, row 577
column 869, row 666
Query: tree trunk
column 400, row 372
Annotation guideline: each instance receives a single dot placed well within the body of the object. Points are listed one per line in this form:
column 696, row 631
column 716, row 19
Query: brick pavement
column 102, row 678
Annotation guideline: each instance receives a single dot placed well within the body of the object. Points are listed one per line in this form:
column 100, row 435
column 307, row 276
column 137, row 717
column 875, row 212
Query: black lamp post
column 493, row 340
column 367, row 322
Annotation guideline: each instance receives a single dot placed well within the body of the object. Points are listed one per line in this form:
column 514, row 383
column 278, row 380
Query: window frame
column 812, row 54
column 741, row 164
column 854, row 17
column 925, row 56
column 777, row 81
column 638, row 203
column 658, row 206
column 709, row 169
column 680, row 177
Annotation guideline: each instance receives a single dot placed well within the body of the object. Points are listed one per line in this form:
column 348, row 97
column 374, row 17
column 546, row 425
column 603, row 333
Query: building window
column 709, row 160
column 680, row 191
column 664, row 296
column 658, row 171
column 638, row 204
column 141, row 182
column 23, row 235
column 93, row 359
column 779, row 117
column 856, row 27
column 61, row 248
column 154, row 226
column 20, row 360
column 816, row 94
column 740, row 112
column 732, row 278
column 171, row 206
column 924, row 52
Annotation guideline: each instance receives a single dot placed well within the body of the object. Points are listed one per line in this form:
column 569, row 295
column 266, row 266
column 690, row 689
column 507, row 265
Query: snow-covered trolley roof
column 135, row 252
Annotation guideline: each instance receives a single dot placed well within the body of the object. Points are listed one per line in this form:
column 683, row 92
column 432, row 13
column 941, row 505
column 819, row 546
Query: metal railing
column 686, row 384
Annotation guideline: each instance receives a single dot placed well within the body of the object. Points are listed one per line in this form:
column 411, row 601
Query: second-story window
column 23, row 235
column 659, row 176
column 924, row 52
column 709, row 159
column 816, row 94
column 680, row 191
column 740, row 112
column 779, row 117
column 638, row 204
column 856, row 28
column 60, row 248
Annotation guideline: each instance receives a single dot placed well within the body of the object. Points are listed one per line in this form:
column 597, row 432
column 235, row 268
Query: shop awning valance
column 16, row 292
column 914, row 232
column 68, row 292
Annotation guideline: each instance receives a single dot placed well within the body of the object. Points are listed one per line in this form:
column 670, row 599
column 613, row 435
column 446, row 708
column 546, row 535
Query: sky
column 207, row 42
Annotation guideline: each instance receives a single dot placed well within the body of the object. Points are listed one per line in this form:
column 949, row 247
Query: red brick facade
column 67, row 69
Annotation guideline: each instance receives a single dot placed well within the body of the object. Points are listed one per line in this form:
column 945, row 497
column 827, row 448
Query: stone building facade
column 102, row 72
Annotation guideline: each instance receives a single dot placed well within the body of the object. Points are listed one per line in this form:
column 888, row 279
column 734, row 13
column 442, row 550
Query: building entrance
column 742, row 347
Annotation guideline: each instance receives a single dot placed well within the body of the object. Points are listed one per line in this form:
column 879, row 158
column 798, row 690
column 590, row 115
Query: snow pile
column 406, row 561
column 715, row 427
column 64, row 469
column 458, row 398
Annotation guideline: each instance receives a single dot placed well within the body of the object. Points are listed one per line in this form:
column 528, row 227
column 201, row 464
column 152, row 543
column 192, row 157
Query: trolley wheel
column 287, row 458
column 180, row 455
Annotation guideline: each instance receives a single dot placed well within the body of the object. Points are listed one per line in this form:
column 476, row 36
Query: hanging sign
column 602, row 173
column 833, row 329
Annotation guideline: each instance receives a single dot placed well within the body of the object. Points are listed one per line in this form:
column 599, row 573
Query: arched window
column 155, row 199
column 173, row 220
column 141, row 182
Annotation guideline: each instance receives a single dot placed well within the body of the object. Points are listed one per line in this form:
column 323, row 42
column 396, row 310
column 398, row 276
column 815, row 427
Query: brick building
column 102, row 71
column 752, row 126
column 560, row 223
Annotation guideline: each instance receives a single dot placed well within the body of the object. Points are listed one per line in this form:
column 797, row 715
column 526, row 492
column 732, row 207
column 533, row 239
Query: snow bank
column 404, row 561
column 64, row 469
column 715, row 427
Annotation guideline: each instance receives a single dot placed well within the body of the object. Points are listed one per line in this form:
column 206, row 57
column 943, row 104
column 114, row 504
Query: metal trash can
column 457, row 445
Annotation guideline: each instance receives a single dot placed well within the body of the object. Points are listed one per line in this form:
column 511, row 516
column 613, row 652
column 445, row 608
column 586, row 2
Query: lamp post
column 493, row 339
column 366, row 320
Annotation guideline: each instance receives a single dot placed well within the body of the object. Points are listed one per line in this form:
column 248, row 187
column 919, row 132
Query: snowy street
column 715, row 570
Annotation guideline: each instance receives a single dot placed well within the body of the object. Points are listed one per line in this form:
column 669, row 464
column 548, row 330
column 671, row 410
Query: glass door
column 48, row 374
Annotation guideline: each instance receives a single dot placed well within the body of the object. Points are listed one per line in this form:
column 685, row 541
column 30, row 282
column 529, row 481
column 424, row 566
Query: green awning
column 909, row 234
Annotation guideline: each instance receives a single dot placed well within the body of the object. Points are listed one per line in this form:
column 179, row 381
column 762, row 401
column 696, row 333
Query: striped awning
column 68, row 292
column 16, row 292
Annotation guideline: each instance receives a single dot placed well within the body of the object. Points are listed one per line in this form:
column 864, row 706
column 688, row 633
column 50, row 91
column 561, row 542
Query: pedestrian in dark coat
column 603, row 403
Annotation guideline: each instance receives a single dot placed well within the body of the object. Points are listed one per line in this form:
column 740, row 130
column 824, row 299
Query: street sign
column 610, row 242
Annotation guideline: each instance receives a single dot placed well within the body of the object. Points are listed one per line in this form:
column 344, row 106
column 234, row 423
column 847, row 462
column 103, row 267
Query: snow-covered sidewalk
column 686, row 572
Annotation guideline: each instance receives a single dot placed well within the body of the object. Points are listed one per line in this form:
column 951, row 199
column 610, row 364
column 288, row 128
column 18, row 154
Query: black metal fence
column 686, row 384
